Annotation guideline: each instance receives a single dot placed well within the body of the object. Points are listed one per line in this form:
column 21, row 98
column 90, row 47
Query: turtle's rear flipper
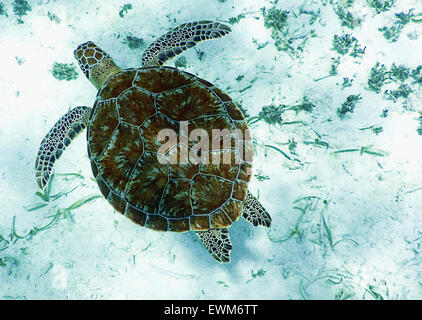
column 180, row 39
column 56, row 141
column 254, row 212
column 217, row 242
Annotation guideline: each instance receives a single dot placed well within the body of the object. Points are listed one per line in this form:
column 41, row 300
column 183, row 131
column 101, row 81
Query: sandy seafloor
column 346, row 225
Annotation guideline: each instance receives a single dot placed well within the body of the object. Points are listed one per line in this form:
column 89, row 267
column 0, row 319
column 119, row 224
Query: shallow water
column 343, row 186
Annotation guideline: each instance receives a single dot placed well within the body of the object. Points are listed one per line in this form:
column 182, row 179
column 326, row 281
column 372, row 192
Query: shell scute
column 147, row 183
column 234, row 111
column 105, row 190
column 220, row 220
column 117, row 202
column 156, row 222
column 135, row 106
column 179, row 225
column 219, row 130
column 151, row 128
column 136, row 215
column 239, row 190
column 188, row 103
column 200, row 222
column 221, row 164
column 162, row 79
column 104, row 122
column 175, row 202
column 221, row 95
column 124, row 150
column 231, row 207
column 116, row 85
column 209, row 193
column 178, row 169
column 245, row 171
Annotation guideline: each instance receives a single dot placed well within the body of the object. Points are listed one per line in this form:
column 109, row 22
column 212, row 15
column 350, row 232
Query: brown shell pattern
column 123, row 146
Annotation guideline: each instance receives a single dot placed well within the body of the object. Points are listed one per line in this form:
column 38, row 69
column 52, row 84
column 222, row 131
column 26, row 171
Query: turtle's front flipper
column 180, row 39
column 217, row 242
column 254, row 212
column 56, row 141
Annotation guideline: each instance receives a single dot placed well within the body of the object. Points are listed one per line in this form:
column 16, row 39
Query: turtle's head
column 95, row 63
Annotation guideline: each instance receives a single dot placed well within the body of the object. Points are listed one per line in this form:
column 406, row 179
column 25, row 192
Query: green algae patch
column 64, row 71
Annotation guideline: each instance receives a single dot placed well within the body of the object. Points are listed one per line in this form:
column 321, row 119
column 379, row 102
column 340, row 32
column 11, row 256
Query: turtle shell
column 158, row 187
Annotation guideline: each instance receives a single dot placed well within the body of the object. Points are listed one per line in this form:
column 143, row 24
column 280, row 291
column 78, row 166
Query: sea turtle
column 134, row 174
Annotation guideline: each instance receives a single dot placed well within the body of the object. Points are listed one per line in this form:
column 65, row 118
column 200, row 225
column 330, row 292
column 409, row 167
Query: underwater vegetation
column 393, row 32
column 20, row 8
column 64, row 71
column 180, row 62
column 381, row 5
column 3, row 11
column 349, row 105
column 272, row 114
column 47, row 200
column 284, row 31
column 345, row 43
column 53, row 17
column 125, row 9
column 347, row 18
column 134, row 42
column 381, row 75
